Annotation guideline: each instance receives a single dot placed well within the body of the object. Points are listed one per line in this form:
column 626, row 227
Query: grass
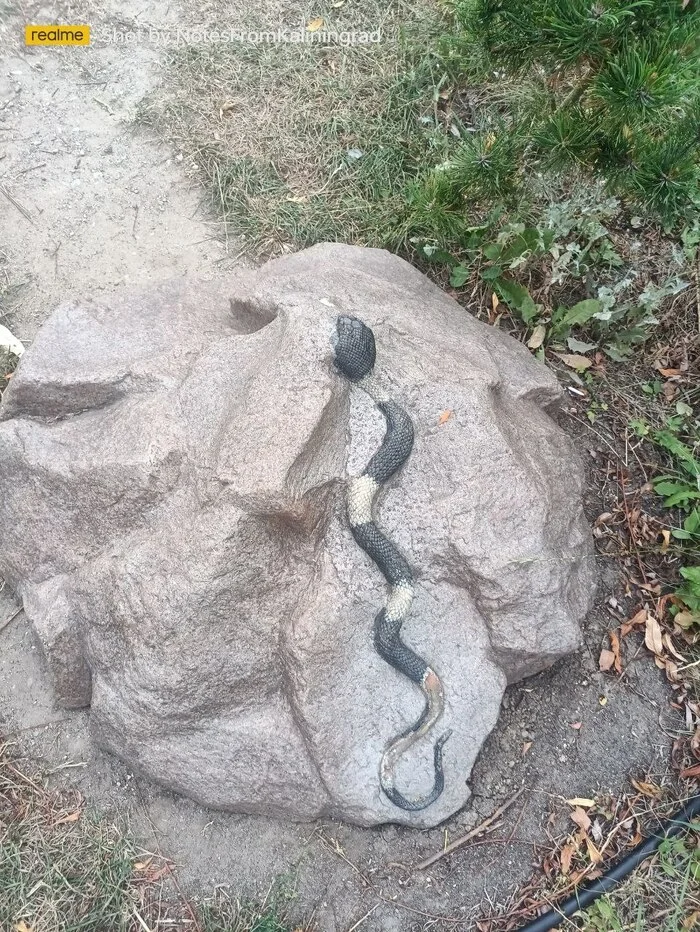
column 303, row 143
column 64, row 869
column 60, row 869
column 663, row 895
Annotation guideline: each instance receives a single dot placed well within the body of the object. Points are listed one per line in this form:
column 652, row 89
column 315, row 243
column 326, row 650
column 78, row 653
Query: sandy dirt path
column 88, row 201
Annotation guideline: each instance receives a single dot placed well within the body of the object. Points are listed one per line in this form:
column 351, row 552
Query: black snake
column 355, row 356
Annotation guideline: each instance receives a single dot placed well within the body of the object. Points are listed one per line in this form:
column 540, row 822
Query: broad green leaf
column 578, row 346
column 640, row 427
column 517, row 297
column 680, row 534
column 437, row 254
column 617, row 353
column 493, row 251
column 680, row 451
column 692, row 574
column 668, row 487
column 527, row 241
column 692, row 522
column 580, row 313
column 681, row 498
column 460, row 274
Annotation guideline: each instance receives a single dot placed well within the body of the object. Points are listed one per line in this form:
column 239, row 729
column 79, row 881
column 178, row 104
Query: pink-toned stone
column 171, row 514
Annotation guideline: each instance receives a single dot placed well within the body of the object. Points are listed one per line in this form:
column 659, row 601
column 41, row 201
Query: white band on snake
column 355, row 355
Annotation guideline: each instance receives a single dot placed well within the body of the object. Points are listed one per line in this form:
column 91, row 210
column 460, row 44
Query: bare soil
column 101, row 204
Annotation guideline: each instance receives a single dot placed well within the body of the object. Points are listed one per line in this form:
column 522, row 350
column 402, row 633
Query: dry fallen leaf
column 668, row 644
column 646, row 789
column 580, row 817
column 574, row 361
column 537, row 338
column 695, row 743
column 693, row 771
column 567, row 852
column 445, row 416
column 315, row 24
column 494, row 300
column 581, row 801
column 685, row 619
column 638, row 619
column 593, row 852
column 615, row 646
column 670, row 391
column 653, row 637
column 72, row 817
column 606, row 660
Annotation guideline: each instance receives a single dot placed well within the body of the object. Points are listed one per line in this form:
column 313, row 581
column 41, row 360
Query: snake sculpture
column 355, row 355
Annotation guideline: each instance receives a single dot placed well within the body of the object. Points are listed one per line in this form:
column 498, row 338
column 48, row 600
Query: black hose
column 590, row 892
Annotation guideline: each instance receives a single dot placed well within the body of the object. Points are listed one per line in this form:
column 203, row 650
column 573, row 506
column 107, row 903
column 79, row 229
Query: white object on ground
column 10, row 342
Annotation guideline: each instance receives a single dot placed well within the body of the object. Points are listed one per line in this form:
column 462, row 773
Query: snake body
column 355, row 355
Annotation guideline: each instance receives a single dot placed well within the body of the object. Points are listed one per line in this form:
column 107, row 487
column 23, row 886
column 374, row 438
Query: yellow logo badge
column 57, row 35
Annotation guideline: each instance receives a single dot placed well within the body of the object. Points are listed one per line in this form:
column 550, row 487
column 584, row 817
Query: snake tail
column 355, row 355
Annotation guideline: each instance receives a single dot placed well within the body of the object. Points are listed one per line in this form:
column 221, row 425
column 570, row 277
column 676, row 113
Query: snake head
column 354, row 348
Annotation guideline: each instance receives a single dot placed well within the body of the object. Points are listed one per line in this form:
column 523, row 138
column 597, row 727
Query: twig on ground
column 31, row 168
column 23, row 210
column 366, row 916
column 11, row 618
column 462, row 840
column 630, row 528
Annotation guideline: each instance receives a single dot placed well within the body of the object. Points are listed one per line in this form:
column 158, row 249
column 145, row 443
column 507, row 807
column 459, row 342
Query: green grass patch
column 662, row 895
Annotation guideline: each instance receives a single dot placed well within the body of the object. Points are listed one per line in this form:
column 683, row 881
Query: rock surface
column 171, row 514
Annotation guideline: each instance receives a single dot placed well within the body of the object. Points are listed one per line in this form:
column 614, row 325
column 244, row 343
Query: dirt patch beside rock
column 86, row 202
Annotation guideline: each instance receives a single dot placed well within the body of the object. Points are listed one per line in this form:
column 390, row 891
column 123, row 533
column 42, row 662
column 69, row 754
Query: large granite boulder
column 172, row 467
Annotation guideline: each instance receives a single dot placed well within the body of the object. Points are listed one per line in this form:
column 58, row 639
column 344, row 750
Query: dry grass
column 59, row 868
column 302, row 143
column 659, row 897
column 64, row 869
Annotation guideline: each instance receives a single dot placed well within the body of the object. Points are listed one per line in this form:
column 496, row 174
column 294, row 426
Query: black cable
column 590, row 892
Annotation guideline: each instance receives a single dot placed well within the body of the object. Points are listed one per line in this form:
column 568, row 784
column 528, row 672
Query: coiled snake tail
column 355, row 356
